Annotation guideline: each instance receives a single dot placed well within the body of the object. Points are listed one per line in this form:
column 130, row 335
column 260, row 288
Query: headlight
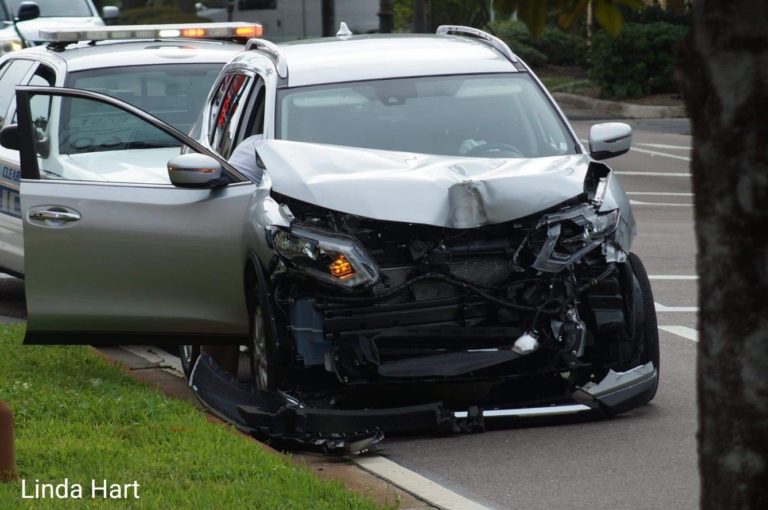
column 604, row 224
column 332, row 258
column 9, row 45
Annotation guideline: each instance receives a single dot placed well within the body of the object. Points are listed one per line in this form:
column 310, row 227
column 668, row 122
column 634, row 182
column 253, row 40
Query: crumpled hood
column 31, row 29
column 445, row 191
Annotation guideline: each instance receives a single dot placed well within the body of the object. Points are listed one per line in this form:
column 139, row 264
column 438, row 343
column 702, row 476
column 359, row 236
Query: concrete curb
column 618, row 109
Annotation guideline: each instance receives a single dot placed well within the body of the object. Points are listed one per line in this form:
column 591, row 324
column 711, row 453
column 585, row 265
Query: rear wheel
column 647, row 333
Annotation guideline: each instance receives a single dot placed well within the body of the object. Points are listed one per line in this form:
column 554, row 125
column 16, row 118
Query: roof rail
column 487, row 38
column 273, row 50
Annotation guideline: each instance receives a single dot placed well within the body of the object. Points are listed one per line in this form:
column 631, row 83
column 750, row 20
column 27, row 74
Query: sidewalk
column 577, row 107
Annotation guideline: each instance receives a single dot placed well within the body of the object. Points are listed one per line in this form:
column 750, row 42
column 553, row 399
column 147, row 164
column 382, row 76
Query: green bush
column 553, row 46
column 517, row 37
column 562, row 48
column 153, row 15
column 640, row 61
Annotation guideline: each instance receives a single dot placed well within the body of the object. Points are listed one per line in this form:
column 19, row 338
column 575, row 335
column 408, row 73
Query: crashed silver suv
column 408, row 228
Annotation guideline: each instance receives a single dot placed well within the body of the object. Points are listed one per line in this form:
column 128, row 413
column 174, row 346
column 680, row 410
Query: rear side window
column 229, row 103
column 13, row 75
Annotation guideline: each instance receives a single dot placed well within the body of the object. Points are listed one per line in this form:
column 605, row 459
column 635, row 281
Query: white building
column 297, row 19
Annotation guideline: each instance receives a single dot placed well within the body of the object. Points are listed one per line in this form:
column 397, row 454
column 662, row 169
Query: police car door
column 12, row 73
column 116, row 253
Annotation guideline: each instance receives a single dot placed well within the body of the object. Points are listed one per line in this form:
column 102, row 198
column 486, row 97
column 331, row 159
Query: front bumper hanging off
column 283, row 419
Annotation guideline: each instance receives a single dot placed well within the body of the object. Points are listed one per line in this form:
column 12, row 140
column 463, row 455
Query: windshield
column 174, row 93
column 59, row 8
column 497, row 115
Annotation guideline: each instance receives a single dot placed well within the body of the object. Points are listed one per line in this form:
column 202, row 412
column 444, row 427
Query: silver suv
column 402, row 211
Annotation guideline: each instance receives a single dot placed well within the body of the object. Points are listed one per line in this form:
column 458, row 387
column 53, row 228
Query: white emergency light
column 231, row 30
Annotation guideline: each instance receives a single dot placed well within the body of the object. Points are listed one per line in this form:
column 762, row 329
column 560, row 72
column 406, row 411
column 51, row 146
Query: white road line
column 683, row 331
column 422, row 487
column 660, row 193
column 653, row 153
column 676, row 309
column 666, row 204
column 654, row 174
column 171, row 364
column 664, row 146
column 662, row 154
column 673, row 277
column 3, row 275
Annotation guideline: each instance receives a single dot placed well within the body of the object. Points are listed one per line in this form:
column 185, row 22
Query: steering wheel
column 494, row 147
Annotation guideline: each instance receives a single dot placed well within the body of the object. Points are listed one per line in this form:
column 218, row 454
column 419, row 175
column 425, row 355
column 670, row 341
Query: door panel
column 126, row 261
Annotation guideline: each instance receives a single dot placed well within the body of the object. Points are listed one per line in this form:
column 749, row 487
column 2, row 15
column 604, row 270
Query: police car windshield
column 57, row 8
column 173, row 93
column 492, row 116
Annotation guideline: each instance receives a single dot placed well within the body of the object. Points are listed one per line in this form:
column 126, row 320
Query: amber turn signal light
column 341, row 267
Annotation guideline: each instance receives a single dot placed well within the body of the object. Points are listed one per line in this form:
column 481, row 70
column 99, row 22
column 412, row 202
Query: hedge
column 639, row 62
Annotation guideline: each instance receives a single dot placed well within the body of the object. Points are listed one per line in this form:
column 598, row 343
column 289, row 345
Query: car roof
column 83, row 56
column 379, row 56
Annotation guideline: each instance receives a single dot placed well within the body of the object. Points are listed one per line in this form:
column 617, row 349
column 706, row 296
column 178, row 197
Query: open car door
column 114, row 251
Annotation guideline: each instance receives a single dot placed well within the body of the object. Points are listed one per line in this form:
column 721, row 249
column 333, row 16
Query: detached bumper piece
column 620, row 391
column 283, row 419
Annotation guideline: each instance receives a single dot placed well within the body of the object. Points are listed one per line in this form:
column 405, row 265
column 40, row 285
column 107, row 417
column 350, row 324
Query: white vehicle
column 418, row 214
column 35, row 15
column 168, row 76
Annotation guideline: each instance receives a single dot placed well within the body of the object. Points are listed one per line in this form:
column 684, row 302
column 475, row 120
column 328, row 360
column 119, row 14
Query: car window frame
column 29, row 164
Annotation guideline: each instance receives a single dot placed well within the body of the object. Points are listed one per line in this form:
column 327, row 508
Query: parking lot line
column 683, row 331
column 416, row 484
column 638, row 202
column 676, row 309
column 654, row 174
column 662, row 154
column 665, row 146
column 660, row 193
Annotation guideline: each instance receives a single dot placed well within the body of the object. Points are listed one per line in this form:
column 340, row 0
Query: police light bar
column 231, row 30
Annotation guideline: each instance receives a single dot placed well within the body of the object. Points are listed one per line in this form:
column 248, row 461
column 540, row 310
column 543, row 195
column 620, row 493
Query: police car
column 166, row 70
column 414, row 212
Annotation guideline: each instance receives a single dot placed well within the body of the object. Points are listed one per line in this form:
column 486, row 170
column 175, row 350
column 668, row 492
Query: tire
column 648, row 334
column 267, row 364
column 188, row 355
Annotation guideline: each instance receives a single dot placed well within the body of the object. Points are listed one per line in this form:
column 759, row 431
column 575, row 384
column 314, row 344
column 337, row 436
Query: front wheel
column 188, row 355
column 648, row 333
column 266, row 363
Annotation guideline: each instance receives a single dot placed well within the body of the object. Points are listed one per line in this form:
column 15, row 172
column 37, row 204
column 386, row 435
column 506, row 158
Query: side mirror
column 9, row 137
column 28, row 11
column 110, row 12
column 609, row 140
column 195, row 170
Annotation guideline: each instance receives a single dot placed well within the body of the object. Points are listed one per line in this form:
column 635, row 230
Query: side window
column 13, row 75
column 87, row 140
column 43, row 76
column 227, row 109
column 253, row 122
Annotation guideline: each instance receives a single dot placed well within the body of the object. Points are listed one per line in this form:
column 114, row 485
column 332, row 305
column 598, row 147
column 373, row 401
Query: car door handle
column 53, row 215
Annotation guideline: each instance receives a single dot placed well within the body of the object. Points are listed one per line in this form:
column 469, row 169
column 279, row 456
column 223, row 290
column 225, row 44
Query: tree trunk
column 328, row 8
column 386, row 16
column 724, row 79
column 421, row 22
column 187, row 6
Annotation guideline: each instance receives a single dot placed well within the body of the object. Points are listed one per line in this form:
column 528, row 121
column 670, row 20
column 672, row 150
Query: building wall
column 296, row 19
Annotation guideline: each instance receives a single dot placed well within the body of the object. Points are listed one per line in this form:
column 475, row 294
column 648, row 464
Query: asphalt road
column 641, row 460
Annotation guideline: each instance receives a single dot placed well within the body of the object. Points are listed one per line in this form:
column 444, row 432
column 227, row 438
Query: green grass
column 78, row 417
